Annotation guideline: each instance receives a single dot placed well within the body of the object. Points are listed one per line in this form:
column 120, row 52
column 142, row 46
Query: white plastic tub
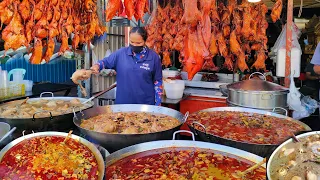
column 174, row 88
column 197, row 77
column 28, row 85
column 169, row 73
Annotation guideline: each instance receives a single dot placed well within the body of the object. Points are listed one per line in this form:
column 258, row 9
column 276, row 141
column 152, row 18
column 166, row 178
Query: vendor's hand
column 95, row 69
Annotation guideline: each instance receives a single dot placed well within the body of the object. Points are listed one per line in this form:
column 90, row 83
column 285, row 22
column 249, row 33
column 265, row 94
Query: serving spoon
column 240, row 174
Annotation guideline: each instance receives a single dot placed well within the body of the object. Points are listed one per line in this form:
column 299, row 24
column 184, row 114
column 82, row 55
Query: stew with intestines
column 40, row 108
column 130, row 123
column 245, row 127
column 297, row 160
column 49, row 158
column 184, row 164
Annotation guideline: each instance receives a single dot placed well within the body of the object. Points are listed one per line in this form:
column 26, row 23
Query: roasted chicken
column 276, row 10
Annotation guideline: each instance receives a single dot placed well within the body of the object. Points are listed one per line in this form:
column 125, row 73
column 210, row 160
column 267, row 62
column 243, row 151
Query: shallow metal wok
column 114, row 142
column 160, row 145
column 263, row 150
column 92, row 147
column 51, row 123
column 274, row 156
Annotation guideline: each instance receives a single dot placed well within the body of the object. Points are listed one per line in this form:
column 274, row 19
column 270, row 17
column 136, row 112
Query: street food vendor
column 313, row 72
column 139, row 71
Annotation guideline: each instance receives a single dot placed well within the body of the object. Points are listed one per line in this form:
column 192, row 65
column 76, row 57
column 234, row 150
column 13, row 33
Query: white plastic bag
column 294, row 95
column 281, row 41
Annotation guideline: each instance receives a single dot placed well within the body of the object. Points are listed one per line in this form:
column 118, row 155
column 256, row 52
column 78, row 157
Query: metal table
column 44, row 87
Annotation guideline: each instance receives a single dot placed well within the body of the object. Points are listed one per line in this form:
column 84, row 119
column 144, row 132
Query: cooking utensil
column 81, row 140
column 162, row 146
column 242, row 174
column 100, row 93
column 257, row 94
column 113, row 142
column 274, row 158
column 58, row 123
column 263, row 150
column 5, row 133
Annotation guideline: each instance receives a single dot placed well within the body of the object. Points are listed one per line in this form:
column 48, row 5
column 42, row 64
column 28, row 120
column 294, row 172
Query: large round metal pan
column 273, row 158
column 81, row 140
column 161, row 145
column 114, row 142
column 263, row 150
column 51, row 123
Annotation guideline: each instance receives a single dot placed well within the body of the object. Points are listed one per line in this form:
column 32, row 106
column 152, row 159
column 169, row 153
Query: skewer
column 25, row 101
column 70, row 132
column 239, row 174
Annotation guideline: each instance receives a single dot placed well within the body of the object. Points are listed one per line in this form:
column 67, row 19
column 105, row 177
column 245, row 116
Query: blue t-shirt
column 135, row 77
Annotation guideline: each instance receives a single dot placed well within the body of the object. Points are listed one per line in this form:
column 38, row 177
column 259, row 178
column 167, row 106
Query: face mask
column 136, row 49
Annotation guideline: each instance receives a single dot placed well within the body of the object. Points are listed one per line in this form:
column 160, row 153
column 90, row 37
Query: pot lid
column 256, row 85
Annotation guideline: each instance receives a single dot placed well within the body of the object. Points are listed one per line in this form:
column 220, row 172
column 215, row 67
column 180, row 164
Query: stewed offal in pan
column 130, row 123
column 49, row 158
column 182, row 164
column 246, row 127
column 298, row 160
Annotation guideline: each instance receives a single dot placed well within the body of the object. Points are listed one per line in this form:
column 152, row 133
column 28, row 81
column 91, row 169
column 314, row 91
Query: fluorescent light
column 254, row 1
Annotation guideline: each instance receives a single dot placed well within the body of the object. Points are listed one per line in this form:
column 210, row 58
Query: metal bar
column 288, row 43
column 194, row 99
column 122, row 35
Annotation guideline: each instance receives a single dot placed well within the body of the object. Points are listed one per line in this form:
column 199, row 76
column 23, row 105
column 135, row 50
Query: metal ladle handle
column 185, row 131
column 258, row 73
column 274, row 109
column 46, row 93
column 201, row 125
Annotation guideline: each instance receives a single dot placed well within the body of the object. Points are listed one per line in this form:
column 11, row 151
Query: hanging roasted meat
column 25, row 10
column 39, row 9
column 13, row 34
column 166, row 61
column 276, row 11
column 234, row 44
column 228, row 62
column 50, row 50
column 259, row 64
column 209, row 65
column 129, row 6
column 6, row 11
column 64, row 42
column 191, row 15
column 141, row 6
column 246, row 23
column 112, row 9
column 36, row 56
column 222, row 45
column 215, row 18
column 213, row 44
column 241, row 62
column 89, row 5
column 232, row 5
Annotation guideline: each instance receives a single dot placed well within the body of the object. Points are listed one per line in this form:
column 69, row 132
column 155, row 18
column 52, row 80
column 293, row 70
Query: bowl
column 174, row 89
column 196, row 77
column 4, row 128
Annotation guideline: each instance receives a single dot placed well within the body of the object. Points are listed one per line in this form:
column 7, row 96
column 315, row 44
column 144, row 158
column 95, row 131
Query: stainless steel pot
column 114, row 142
column 54, row 123
column 162, row 145
column 263, row 150
column 257, row 94
column 274, row 156
column 92, row 147
column 278, row 110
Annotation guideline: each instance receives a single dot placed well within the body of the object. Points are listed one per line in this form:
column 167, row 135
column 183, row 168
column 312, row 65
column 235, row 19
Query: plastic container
column 28, row 85
column 197, row 77
column 17, row 75
column 295, row 62
column 170, row 74
column 310, row 104
column 174, row 89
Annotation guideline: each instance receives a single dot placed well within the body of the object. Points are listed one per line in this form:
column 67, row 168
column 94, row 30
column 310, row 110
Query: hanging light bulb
column 254, row 1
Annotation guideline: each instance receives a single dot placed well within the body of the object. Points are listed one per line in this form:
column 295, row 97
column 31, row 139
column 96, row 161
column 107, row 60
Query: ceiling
column 296, row 3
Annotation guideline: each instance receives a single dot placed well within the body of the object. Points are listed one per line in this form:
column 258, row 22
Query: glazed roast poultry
column 39, row 24
column 203, row 29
